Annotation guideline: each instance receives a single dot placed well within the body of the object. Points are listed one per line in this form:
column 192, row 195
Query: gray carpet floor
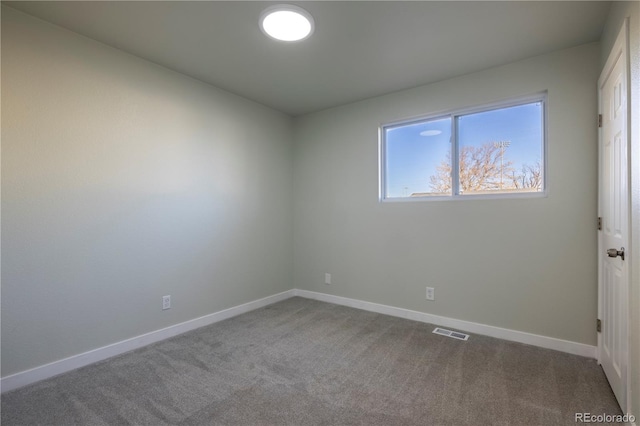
column 304, row 362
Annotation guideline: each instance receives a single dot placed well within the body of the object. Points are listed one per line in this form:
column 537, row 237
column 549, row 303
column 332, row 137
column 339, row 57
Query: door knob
column 615, row 253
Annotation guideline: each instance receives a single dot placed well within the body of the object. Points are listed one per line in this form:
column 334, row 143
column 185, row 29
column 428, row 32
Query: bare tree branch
column 483, row 168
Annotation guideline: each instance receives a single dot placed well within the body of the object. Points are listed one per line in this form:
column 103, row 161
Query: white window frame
column 455, row 183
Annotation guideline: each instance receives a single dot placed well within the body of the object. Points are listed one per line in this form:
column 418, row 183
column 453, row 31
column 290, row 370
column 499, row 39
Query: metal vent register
column 452, row 334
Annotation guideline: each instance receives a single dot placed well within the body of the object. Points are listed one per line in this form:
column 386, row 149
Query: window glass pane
column 418, row 159
column 500, row 151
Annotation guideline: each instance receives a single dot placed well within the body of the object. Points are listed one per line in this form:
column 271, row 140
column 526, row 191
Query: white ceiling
column 359, row 49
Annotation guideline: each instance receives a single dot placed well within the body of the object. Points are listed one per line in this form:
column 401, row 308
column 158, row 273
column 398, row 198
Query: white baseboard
column 55, row 368
column 466, row 326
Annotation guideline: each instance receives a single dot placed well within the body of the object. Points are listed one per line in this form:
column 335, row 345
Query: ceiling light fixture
column 286, row 22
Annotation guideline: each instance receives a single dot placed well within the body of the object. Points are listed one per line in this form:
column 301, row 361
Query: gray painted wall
column 122, row 182
column 521, row 264
column 619, row 12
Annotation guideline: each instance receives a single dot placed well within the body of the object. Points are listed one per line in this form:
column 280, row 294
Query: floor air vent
column 452, row 334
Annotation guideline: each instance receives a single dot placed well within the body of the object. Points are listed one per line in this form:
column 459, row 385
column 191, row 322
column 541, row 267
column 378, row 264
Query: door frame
column 620, row 48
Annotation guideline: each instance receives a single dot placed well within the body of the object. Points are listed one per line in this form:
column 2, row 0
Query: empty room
column 320, row 212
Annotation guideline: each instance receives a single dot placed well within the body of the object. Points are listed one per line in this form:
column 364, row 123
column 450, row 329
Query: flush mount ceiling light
column 285, row 22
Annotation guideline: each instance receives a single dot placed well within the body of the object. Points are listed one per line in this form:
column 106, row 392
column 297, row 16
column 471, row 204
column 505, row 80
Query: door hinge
column 599, row 224
column 599, row 120
column 599, row 326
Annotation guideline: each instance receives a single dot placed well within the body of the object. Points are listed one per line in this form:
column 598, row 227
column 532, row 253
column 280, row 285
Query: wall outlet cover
column 431, row 293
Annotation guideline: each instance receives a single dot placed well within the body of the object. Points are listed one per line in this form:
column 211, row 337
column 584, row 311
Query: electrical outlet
column 431, row 293
column 166, row 302
column 327, row 279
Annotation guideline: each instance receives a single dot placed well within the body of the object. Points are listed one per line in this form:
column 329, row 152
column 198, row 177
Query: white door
column 613, row 287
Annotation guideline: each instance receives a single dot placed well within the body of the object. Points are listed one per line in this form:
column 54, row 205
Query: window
column 493, row 150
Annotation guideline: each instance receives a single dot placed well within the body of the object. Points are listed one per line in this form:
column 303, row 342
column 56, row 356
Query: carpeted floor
column 303, row 362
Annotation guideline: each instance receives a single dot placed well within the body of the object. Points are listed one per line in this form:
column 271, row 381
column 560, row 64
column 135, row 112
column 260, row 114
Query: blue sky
column 413, row 151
